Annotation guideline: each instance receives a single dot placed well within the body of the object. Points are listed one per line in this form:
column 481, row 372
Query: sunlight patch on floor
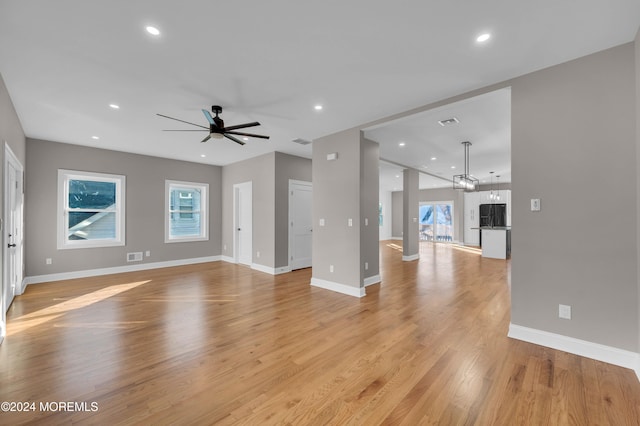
column 24, row 322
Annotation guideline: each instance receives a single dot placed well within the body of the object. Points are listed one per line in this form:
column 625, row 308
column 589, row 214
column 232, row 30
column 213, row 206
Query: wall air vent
column 301, row 141
column 134, row 257
column 448, row 121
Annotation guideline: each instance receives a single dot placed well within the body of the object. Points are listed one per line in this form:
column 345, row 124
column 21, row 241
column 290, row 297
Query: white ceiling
column 64, row 62
column 437, row 150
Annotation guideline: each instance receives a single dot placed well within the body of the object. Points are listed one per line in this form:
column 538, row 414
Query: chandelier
column 465, row 181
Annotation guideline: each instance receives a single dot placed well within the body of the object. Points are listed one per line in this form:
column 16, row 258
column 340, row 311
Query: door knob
column 11, row 245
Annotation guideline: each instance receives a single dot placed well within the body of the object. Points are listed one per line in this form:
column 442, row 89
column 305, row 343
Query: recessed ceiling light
column 483, row 37
column 202, row 155
column 401, row 144
column 245, row 138
column 153, row 30
column 453, row 167
column 95, row 137
column 114, row 106
column 433, row 158
column 318, row 107
column 397, row 176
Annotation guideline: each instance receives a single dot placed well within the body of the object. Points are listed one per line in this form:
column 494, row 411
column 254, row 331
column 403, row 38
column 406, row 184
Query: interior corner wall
column 336, row 199
column 261, row 171
column 145, row 209
column 574, row 147
column 286, row 167
column 369, row 199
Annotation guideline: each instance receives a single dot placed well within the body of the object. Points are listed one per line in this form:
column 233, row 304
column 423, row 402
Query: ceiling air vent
column 301, row 141
column 448, row 121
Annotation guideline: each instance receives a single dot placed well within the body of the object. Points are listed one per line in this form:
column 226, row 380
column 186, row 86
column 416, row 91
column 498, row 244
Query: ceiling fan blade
column 186, row 130
column 242, row 126
column 253, row 135
column 207, row 138
column 233, row 139
column 209, row 117
column 182, row 121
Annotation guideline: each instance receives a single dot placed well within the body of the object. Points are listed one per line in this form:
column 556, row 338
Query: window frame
column 171, row 185
column 64, row 177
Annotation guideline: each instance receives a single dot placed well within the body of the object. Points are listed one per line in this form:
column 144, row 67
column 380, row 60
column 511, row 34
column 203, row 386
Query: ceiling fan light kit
column 465, row 181
column 216, row 128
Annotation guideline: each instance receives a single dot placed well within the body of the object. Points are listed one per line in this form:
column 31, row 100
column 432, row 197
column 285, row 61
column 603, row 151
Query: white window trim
column 204, row 211
column 64, row 176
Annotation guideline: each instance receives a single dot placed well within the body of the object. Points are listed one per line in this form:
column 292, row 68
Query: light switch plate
column 535, row 204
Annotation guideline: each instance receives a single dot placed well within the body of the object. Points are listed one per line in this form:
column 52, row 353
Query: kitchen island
column 496, row 241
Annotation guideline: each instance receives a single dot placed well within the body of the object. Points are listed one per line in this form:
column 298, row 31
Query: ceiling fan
column 216, row 128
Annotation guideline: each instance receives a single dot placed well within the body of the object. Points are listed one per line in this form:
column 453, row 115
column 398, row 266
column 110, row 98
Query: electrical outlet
column 366, row 221
column 366, row 266
column 258, row 254
column 535, row 204
column 350, row 222
column 147, row 253
column 48, row 261
column 330, row 268
column 321, row 222
column 564, row 311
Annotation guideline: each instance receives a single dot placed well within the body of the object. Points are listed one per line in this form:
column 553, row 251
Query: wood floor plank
column 218, row 343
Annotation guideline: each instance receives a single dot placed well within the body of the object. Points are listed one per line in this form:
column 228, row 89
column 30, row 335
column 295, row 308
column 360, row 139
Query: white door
column 243, row 223
column 13, row 228
column 300, row 224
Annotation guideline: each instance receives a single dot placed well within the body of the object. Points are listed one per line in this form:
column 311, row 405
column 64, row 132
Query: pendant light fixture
column 465, row 181
column 498, row 187
column 492, row 197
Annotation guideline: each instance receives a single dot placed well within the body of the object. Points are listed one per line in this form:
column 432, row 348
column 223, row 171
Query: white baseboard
column 397, row 238
column 410, row 258
column 608, row 354
column 116, row 270
column 340, row 288
column 227, row 259
column 375, row 279
column 270, row 270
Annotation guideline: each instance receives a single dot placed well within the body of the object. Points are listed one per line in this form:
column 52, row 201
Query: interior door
column 300, row 225
column 243, row 223
column 12, row 229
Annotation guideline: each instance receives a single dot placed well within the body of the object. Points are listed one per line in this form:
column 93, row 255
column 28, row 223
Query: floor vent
column 134, row 257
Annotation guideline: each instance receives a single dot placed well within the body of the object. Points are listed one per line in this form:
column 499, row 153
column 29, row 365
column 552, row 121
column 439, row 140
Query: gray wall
column 261, row 171
column 270, row 174
column 370, row 197
column 637, row 53
column 410, row 203
column 144, row 206
column 336, row 197
column 396, row 214
column 574, row 147
column 286, row 167
column 438, row 194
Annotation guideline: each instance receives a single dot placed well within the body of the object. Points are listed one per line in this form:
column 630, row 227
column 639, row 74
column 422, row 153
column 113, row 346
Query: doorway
column 436, row 221
column 243, row 223
column 13, row 231
column 300, row 224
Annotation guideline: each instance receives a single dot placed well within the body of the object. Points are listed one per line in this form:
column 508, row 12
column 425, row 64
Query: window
column 186, row 211
column 90, row 210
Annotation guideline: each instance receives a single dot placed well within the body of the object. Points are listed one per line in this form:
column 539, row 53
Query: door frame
column 435, row 213
column 10, row 158
column 292, row 183
column 237, row 188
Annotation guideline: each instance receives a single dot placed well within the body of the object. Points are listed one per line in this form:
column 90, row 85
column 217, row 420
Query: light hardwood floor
column 220, row 343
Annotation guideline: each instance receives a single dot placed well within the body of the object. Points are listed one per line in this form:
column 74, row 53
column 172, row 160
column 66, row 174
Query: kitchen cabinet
column 472, row 201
